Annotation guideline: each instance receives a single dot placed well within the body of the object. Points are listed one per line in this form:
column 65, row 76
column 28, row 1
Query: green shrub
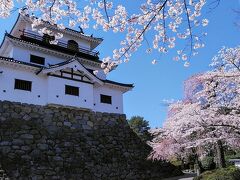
column 230, row 173
column 208, row 163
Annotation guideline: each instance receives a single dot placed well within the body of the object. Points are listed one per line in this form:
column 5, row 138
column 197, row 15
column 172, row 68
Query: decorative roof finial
column 81, row 30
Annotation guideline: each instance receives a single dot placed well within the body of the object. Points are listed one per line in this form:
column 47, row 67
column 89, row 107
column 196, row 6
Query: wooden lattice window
column 72, row 90
column 105, row 99
column 23, row 85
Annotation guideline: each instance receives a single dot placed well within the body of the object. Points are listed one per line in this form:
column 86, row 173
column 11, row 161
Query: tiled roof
column 117, row 83
column 60, row 64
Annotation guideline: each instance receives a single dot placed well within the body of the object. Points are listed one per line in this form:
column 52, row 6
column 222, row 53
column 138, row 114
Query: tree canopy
column 210, row 113
column 140, row 127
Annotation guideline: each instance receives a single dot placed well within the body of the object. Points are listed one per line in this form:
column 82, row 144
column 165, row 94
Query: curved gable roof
column 72, row 63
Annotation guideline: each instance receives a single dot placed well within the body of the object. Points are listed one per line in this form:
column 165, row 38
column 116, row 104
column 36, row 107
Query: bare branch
column 189, row 25
column 105, row 9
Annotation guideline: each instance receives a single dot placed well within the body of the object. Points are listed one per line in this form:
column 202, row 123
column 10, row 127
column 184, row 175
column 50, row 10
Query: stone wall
column 42, row 142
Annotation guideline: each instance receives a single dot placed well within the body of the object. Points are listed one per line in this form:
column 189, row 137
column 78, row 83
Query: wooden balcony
column 62, row 46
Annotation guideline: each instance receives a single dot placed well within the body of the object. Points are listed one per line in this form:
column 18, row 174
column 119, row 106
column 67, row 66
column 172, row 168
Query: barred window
column 106, row 99
column 23, row 85
column 71, row 90
column 37, row 59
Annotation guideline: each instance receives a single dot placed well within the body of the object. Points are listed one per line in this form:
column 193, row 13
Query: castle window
column 37, row 59
column 71, row 90
column 23, row 85
column 47, row 38
column 73, row 45
column 106, row 99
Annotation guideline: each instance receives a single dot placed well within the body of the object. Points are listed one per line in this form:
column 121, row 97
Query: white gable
column 76, row 66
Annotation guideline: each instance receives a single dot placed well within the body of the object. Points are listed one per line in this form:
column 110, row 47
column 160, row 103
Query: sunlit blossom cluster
column 227, row 59
column 5, row 8
column 168, row 21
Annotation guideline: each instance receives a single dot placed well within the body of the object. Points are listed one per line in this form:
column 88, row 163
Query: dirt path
column 186, row 176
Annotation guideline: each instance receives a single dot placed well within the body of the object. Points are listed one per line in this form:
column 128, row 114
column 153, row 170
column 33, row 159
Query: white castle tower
column 34, row 71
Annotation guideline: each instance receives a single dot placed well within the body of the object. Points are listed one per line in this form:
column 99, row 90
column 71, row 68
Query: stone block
column 28, row 141
column 5, row 143
column 67, row 123
column 5, row 149
column 90, row 123
column 59, row 124
column 86, row 127
column 36, row 153
column 59, row 159
column 27, row 136
column 25, row 148
column 26, row 157
column 42, row 146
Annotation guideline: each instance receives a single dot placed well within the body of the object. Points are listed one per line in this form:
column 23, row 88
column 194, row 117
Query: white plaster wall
column 7, row 52
column 10, row 52
column 24, row 55
column 56, row 87
column 117, row 100
column 7, row 80
column 49, row 87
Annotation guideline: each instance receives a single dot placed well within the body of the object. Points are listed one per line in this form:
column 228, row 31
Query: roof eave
column 123, row 88
column 17, row 40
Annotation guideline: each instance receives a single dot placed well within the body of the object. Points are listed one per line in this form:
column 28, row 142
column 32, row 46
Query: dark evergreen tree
column 140, row 127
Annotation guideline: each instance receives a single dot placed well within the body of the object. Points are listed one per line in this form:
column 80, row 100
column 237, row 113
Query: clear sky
column 153, row 83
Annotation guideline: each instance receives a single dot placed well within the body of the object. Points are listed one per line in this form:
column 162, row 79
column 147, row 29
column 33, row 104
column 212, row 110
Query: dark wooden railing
column 34, row 36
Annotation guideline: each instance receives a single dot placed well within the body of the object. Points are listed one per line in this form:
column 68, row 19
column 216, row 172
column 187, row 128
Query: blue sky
column 153, row 83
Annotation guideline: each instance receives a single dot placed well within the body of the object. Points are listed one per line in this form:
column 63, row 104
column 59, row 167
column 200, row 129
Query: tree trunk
column 199, row 166
column 220, row 160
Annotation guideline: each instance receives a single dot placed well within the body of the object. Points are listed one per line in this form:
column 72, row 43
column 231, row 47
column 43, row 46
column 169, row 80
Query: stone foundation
column 41, row 142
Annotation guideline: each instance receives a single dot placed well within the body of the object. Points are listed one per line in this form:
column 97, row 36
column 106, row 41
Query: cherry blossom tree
column 167, row 21
column 210, row 114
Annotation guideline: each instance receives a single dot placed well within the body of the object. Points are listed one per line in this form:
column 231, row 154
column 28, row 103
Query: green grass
column 229, row 173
